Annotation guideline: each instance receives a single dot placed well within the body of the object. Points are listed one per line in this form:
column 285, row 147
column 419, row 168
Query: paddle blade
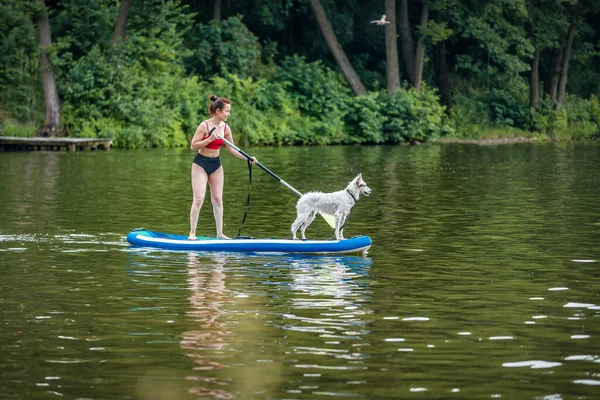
column 330, row 219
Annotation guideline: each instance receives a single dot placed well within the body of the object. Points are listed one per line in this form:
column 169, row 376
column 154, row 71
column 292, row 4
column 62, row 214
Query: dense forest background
column 300, row 71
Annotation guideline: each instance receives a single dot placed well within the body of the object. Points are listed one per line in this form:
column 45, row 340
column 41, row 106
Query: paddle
column 328, row 218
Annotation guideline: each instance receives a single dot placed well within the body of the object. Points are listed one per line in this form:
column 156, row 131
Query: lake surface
column 482, row 282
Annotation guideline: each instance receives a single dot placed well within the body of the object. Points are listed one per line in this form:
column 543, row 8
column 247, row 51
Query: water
column 482, row 282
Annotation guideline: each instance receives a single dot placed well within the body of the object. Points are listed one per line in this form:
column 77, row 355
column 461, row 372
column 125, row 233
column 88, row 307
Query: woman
column 207, row 164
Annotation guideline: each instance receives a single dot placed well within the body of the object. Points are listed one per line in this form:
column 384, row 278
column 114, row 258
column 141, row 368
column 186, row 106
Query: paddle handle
column 284, row 183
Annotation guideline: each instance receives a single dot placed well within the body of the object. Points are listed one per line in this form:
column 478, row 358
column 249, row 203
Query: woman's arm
column 233, row 151
column 198, row 142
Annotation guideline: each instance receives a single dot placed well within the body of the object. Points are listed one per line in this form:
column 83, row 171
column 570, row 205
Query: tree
column 544, row 24
column 121, row 22
column 391, row 47
column 562, row 81
column 534, row 72
column 336, row 49
column 52, row 124
column 442, row 74
column 217, row 10
column 438, row 33
column 413, row 57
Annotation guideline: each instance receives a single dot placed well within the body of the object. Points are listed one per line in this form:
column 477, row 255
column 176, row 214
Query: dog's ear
column 359, row 178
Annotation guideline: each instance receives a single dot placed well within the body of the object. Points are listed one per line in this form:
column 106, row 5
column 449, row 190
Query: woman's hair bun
column 213, row 98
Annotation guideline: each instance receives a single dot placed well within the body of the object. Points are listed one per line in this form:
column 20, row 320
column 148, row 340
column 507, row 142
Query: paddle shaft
column 284, row 183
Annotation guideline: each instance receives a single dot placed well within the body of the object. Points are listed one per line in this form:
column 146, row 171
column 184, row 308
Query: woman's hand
column 254, row 160
column 213, row 134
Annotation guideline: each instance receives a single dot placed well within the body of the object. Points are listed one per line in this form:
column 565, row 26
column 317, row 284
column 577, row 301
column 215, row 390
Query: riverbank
column 491, row 141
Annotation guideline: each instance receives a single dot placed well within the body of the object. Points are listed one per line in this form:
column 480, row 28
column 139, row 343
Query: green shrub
column 18, row 130
column 21, row 97
column 506, row 110
column 583, row 117
column 578, row 119
column 223, row 48
column 470, row 116
column 407, row 115
column 365, row 122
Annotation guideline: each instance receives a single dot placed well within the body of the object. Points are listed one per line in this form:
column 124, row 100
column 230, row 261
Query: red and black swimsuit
column 210, row 164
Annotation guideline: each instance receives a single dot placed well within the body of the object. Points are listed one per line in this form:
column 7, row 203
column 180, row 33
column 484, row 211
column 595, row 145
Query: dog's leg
column 295, row 227
column 338, row 225
column 343, row 220
column 340, row 221
column 309, row 219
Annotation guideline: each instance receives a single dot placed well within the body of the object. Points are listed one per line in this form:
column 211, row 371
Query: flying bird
column 381, row 21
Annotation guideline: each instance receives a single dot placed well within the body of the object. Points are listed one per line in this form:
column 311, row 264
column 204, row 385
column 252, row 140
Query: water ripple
column 533, row 364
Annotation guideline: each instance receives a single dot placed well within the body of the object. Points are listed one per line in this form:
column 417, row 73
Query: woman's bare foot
column 222, row 236
column 192, row 237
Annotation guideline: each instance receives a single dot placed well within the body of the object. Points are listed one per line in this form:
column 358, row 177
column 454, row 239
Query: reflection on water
column 206, row 282
column 326, row 300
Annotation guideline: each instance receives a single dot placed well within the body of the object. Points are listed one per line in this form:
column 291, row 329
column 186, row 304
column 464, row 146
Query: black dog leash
column 248, row 199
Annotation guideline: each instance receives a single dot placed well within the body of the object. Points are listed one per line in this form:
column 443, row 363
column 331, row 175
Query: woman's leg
column 215, row 182
column 199, row 179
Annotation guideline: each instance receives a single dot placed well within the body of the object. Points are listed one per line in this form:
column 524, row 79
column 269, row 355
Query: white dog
column 337, row 204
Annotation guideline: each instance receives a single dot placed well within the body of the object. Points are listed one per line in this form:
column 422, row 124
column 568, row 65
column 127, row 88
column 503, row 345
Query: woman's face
column 224, row 112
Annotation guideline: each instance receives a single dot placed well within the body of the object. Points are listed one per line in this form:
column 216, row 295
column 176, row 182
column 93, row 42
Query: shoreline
column 489, row 141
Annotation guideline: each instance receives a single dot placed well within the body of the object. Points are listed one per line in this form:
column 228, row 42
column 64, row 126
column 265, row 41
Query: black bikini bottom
column 209, row 164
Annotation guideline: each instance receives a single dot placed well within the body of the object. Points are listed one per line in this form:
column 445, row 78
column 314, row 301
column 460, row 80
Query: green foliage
column 223, row 48
column 470, row 116
column 264, row 112
column 579, row 119
column 415, row 116
column 364, row 122
column 18, row 130
column 84, row 24
column 319, row 91
column 550, row 120
column 152, row 89
column 506, row 110
column 406, row 115
column 583, row 117
column 140, row 96
column 436, row 31
column 494, row 31
column 20, row 77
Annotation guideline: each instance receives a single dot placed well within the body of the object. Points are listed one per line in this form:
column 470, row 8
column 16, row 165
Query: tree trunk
column 562, row 83
column 554, row 73
column 391, row 47
column 217, row 11
column 420, row 53
column 406, row 41
column 534, row 80
column 337, row 51
column 534, row 71
column 121, row 22
column 442, row 74
column 52, row 125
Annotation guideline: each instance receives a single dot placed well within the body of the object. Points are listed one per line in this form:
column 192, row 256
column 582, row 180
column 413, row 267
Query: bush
column 506, row 110
column 470, row 116
column 364, row 122
column 223, row 48
column 583, row 117
column 578, row 119
column 12, row 129
column 21, row 97
column 407, row 115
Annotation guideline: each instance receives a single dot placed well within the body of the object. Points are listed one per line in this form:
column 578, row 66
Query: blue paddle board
column 160, row 240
